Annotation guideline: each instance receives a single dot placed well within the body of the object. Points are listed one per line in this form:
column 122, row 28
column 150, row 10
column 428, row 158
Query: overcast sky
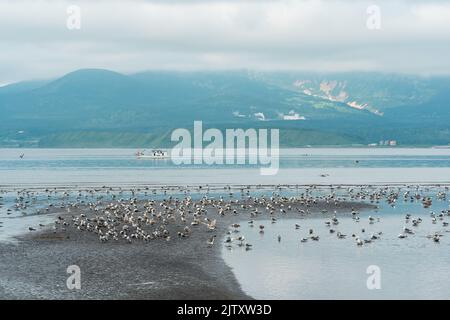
column 130, row 36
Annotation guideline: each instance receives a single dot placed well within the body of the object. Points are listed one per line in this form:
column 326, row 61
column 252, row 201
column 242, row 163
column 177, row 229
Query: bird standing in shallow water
column 359, row 242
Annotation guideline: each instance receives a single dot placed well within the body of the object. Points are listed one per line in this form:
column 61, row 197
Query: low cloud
column 131, row 36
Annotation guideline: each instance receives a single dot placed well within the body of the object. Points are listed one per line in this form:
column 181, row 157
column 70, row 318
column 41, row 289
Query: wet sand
column 182, row 268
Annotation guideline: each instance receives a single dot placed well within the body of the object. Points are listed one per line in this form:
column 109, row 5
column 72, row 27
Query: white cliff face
column 333, row 90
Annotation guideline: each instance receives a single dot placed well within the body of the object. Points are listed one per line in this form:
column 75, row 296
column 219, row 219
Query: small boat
column 154, row 154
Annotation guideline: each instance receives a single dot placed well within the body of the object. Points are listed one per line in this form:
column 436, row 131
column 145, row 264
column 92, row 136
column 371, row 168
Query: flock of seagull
column 334, row 222
column 331, row 223
column 137, row 214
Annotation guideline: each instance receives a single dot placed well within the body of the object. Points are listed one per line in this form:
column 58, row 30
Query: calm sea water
column 41, row 167
column 415, row 267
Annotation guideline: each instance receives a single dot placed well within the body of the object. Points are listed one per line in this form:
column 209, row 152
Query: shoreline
column 332, row 146
column 182, row 268
column 214, row 186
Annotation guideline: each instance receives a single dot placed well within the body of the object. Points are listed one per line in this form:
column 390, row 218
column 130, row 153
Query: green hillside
column 101, row 108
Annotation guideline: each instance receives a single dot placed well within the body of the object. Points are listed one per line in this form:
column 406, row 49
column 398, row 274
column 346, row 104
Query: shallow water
column 412, row 268
column 47, row 167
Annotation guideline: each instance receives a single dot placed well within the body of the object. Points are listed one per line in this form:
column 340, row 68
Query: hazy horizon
column 212, row 71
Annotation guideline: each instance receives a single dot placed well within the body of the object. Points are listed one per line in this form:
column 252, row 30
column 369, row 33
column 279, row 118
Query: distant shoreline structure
column 156, row 154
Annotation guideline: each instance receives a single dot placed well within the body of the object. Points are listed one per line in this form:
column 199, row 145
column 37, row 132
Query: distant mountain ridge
column 96, row 107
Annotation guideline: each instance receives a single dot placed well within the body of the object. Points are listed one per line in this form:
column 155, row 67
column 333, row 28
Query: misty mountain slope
column 320, row 108
column 376, row 92
column 22, row 86
column 100, row 98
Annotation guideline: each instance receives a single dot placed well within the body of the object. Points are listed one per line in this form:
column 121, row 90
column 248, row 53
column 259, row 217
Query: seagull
column 341, row 236
column 407, row 230
column 210, row 241
column 211, row 225
column 241, row 240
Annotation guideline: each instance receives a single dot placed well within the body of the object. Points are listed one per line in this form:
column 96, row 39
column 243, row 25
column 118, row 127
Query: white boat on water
column 154, row 154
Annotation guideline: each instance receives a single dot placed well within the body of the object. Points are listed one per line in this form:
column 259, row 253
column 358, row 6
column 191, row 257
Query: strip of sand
column 182, row 268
